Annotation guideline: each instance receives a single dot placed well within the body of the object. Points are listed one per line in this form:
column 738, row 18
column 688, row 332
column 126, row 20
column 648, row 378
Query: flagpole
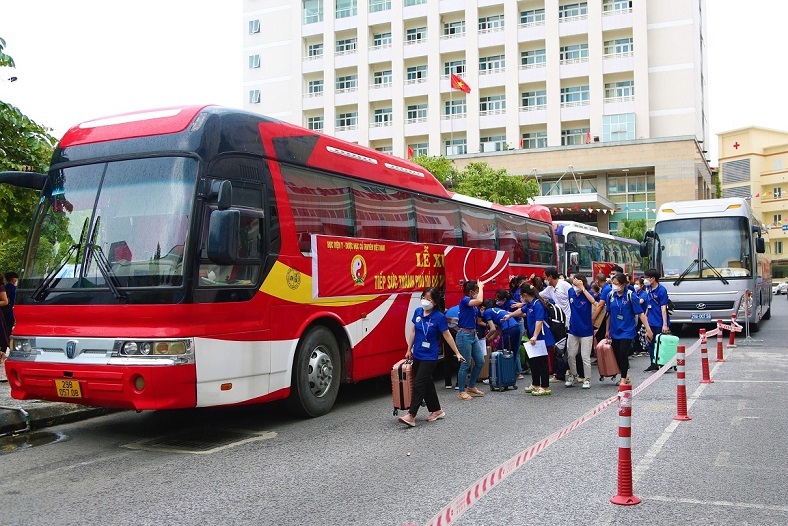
column 451, row 114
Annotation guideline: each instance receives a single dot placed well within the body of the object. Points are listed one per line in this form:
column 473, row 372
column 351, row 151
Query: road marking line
column 752, row 381
column 726, row 503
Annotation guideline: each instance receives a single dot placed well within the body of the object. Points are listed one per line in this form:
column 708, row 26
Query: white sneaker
column 486, row 381
column 570, row 380
column 587, row 383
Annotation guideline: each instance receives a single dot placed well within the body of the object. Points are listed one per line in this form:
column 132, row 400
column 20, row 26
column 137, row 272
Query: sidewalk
column 15, row 413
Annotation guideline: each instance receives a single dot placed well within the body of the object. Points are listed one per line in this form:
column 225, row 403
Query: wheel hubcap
column 321, row 372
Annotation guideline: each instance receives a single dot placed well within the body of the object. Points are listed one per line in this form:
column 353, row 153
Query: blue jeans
column 519, row 339
column 470, row 348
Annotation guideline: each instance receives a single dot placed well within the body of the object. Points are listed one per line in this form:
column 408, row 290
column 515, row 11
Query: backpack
column 670, row 308
column 556, row 320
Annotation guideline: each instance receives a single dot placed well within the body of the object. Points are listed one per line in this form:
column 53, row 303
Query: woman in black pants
column 429, row 324
column 623, row 309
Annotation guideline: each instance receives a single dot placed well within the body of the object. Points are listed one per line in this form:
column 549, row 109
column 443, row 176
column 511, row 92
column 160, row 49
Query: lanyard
column 425, row 325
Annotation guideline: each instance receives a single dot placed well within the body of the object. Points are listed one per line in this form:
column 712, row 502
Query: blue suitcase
column 502, row 371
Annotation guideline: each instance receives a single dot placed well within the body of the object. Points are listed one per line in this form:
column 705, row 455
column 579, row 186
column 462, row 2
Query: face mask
column 647, row 282
column 473, row 295
column 578, row 289
column 637, row 287
column 499, row 303
column 616, row 288
column 426, row 304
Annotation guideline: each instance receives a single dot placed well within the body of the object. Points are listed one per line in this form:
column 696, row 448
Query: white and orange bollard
column 624, row 497
column 732, row 337
column 704, row 358
column 681, row 387
column 720, row 356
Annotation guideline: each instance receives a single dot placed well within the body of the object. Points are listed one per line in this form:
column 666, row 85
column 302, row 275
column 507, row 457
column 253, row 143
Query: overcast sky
column 81, row 59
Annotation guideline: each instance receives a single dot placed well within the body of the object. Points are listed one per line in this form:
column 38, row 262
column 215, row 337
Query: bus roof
column 733, row 206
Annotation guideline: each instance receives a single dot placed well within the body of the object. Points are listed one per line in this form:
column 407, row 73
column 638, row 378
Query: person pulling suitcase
column 656, row 312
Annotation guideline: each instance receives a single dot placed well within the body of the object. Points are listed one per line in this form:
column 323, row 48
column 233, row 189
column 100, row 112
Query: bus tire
column 316, row 374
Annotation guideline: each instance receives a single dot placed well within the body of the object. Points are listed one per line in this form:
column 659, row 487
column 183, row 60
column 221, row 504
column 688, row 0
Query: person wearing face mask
column 600, row 313
column 581, row 332
column 656, row 311
column 534, row 311
column 468, row 341
column 429, row 323
column 623, row 307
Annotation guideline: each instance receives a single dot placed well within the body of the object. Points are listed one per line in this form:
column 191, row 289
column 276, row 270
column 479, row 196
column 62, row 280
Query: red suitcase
column 401, row 385
column 606, row 360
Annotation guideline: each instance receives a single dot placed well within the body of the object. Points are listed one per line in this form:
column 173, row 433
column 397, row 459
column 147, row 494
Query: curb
column 45, row 414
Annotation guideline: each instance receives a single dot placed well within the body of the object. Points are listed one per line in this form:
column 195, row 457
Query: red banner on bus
column 351, row 266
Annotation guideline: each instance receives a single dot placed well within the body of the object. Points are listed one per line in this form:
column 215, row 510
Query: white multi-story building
column 542, row 72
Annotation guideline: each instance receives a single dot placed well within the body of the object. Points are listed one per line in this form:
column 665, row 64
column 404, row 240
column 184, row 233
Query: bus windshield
column 720, row 244
column 130, row 217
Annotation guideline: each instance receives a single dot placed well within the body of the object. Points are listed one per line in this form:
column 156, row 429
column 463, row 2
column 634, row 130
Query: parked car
column 780, row 288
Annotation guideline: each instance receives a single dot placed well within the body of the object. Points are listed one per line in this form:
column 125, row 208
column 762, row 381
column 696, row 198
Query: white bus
column 582, row 246
column 710, row 253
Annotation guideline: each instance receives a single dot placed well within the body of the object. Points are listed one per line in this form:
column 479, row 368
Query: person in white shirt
column 557, row 290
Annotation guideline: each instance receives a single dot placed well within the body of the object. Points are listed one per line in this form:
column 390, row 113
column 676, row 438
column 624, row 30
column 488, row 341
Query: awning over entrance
column 585, row 203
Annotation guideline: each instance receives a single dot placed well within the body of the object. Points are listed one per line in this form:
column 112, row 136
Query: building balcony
column 380, row 130
column 573, row 68
column 532, row 73
column 575, row 111
column 313, row 101
column 417, row 127
column 380, row 54
column 416, row 87
column 452, row 43
column 620, row 19
column 489, row 119
column 414, row 11
column 489, row 78
column 615, row 105
column 379, row 92
column 346, row 97
column 491, row 37
column 312, row 64
column 316, row 28
column 533, row 114
column 573, row 25
column 415, row 48
column 346, row 59
column 530, row 32
column 618, row 63
column 451, row 6
column 454, row 123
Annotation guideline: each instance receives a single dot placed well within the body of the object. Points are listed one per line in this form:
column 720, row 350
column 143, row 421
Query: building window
column 455, row 66
column 313, row 11
column 315, row 50
column 347, row 45
column 620, row 46
column 620, row 127
column 381, row 39
column 777, row 192
column 315, row 123
column 574, row 53
column 254, row 27
column 379, row 5
column 382, row 78
column 416, row 74
column 619, row 91
column 572, row 10
column 417, row 34
column 383, row 117
column 454, row 28
column 417, row 113
column 534, row 100
column 455, row 108
column 254, row 61
column 495, row 143
column 347, row 83
column 532, row 18
column 575, row 96
column 778, row 218
column 616, row 5
column 346, row 8
column 315, row 87
column 414, row 2
column 419, row 148
column 492, row 105
column 533, row 58
column 573, row 136
column 490, row 64
column 457, row 147
column 347, row 121
column 778, row 247
column 254, row 96
column 534, row 140
column 491, row 23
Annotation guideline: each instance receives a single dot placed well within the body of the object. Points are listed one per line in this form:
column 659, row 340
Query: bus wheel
column 316, row 372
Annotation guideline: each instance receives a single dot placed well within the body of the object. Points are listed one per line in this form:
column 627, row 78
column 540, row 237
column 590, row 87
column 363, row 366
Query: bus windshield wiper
column 105, row 268
column 686, row 271
column 716, row 272
column 43, row 288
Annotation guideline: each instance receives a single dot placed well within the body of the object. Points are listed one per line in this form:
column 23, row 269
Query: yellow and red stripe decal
column 288, row 284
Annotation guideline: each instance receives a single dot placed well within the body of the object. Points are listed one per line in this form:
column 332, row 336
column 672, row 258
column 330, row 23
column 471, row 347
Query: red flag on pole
column 588, row 136
column 458, row 83
column 410, row 152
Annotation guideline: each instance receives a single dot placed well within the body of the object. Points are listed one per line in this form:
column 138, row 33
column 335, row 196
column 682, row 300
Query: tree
column 25, row 146
column 480, row 180
column 633, row 228
column 441, row 167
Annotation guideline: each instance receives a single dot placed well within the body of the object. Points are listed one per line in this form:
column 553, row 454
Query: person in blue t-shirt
column 581, row 331
column 493, row 314
column 468, row 341
column 656, row 311
column 622, row 308
column 535, row 314
column 429, row 323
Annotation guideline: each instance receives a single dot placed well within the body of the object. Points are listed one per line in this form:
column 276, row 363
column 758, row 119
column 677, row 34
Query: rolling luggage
column 606, row 360
column 401, row 385
column 665, row 346
column 502, row 371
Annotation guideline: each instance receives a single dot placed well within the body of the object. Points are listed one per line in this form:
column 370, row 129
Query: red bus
column 203, row 256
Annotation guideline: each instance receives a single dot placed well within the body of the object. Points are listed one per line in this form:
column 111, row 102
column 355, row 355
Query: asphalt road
column 726, row 465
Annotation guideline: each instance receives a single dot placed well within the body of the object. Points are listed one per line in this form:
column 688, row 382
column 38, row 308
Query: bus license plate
column 68, row 389
column 700, row 316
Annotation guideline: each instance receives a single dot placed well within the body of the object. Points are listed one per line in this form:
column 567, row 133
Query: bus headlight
column 169, row 348
column 20, row 345
column 155, row 348
column 130, row 348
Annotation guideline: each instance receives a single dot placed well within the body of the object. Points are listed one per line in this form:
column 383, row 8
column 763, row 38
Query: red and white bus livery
column 203, row 256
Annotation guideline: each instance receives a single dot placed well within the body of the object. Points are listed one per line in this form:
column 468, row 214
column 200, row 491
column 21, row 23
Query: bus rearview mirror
column 760, row 245
column 223, row 238
column 644, row 249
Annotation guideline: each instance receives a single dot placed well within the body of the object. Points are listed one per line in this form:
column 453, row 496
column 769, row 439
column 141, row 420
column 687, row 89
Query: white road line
column 752, row 381
column 726, row 503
